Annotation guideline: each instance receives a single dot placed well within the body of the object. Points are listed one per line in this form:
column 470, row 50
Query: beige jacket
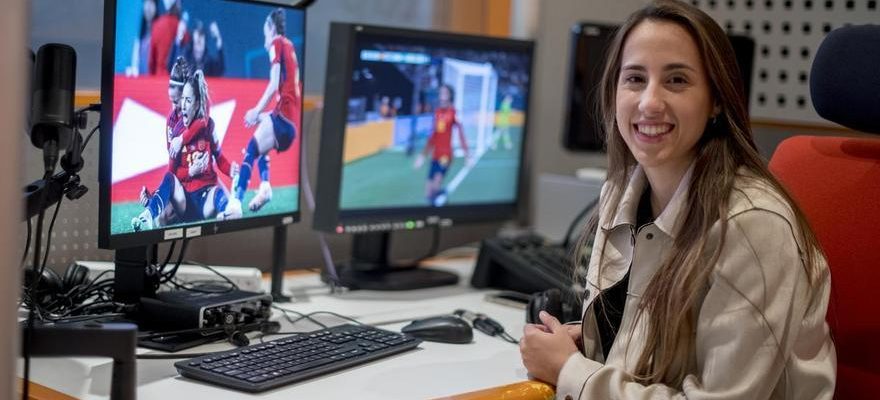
column 756, row 337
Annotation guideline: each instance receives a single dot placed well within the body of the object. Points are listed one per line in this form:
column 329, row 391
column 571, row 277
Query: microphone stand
column 63, row 183
column 93, row 339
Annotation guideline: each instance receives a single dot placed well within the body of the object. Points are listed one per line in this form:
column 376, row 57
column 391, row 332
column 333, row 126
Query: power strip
column 247, row 278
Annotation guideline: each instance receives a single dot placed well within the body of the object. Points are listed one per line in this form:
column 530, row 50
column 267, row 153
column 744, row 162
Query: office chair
column 836, row 182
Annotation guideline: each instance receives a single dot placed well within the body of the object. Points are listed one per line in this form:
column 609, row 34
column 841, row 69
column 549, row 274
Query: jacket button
column 649, row 236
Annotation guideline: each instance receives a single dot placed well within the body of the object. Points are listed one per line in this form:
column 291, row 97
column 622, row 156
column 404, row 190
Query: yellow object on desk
column 526, row 390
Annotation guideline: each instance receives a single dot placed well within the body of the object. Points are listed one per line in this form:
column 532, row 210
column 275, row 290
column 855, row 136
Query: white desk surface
column 432, row 370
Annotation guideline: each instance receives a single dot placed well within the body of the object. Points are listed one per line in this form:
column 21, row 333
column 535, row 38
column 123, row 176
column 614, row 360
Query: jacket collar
column 669, row 220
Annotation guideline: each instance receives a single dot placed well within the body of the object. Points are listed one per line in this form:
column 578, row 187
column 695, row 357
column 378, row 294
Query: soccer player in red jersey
column 441, row 144
column 167, row 203
column 162, row 36
column 197, row 150
column 278, row 128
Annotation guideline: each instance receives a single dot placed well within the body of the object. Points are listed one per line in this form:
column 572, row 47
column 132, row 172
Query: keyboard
column 294, row 358
column 526, row 264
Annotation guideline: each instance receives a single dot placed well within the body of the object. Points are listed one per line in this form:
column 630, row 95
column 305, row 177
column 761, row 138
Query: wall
column 12, row 35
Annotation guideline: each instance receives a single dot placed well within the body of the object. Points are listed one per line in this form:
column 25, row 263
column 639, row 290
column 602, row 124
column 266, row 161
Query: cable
column 567, row 238
column 209, row 268
column 27, row 244
column 82, row 318
column 483, row 323
column 49, row 234
column 507, row 337
column 309, row 315
column 300, row 316
column 167, row 277
column 329, row 265
column 173, row 356
column 306, row 317
column 167, row 257
column 89, row 136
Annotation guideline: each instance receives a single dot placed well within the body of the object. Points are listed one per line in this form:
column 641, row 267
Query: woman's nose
column 652, row 101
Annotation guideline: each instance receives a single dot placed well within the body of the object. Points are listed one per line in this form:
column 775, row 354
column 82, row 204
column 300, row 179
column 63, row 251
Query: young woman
column 198, row 151
column 705, row 280
column 168, row 202
column 276, row 129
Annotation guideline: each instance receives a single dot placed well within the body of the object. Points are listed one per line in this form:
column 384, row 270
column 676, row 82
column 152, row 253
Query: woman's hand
column 251, row 117
column 545, row 348
column 199, row 164
column 174, row 148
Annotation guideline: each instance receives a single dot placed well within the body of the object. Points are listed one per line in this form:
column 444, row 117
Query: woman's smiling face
column 663, row 96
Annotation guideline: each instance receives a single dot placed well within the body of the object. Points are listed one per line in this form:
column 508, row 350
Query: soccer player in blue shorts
column 276, row 129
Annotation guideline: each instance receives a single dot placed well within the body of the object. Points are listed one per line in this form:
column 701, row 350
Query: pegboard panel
column 787, row 34
column 75, row 235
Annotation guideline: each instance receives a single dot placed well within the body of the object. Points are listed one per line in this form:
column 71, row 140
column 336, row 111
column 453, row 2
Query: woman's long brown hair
column 671, row 301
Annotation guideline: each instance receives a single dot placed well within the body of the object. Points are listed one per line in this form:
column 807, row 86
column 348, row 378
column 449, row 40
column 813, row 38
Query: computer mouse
column 443, row 328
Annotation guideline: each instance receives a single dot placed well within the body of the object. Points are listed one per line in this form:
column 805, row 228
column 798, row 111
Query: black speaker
column 744, row 49
column 589, row 43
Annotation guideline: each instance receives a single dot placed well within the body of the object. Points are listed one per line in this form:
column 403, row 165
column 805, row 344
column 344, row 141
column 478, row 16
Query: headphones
column 50, row 285
column 564, row 305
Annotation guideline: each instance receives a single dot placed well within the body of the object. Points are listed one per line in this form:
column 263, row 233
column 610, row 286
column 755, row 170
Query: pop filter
column 844, row 80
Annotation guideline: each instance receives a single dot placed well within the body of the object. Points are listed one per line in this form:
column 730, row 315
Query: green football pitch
column 388, row 179
column 284, row 199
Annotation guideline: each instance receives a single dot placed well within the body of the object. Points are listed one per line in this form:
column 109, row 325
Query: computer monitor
column 583, row 129
column 420, row 129
column 200, row 125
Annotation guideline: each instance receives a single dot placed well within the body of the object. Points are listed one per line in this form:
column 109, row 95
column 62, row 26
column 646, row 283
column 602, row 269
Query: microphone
column 480, row 322
column 52, row 102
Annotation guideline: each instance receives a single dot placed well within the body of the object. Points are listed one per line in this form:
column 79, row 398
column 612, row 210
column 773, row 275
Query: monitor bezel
column 329, row 216
column 109, row 241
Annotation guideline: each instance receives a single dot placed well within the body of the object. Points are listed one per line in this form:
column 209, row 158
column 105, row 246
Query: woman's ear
column 716, row 110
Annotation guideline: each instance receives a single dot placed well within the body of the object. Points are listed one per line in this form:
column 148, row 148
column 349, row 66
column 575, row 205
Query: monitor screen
column 202, row 104
column 420, row 128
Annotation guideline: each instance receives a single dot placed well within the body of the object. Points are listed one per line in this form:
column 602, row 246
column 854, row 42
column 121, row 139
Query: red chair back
column 836, row 182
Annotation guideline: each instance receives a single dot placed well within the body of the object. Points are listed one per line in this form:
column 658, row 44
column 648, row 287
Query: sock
column 162, row 195
column 263, row 166
column 244, row 176
column 220, row 200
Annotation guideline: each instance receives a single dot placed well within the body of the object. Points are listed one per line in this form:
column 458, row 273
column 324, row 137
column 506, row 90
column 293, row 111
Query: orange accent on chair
column 836, row 182
column 526, row 390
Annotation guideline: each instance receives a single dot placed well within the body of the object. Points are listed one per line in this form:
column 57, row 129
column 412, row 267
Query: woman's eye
column 633, row 79
column 678, row 80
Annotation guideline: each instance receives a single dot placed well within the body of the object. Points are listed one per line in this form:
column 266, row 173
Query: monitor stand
column 370, row 268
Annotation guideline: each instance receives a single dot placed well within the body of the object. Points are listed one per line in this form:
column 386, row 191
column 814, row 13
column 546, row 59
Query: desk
column 433, row 370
